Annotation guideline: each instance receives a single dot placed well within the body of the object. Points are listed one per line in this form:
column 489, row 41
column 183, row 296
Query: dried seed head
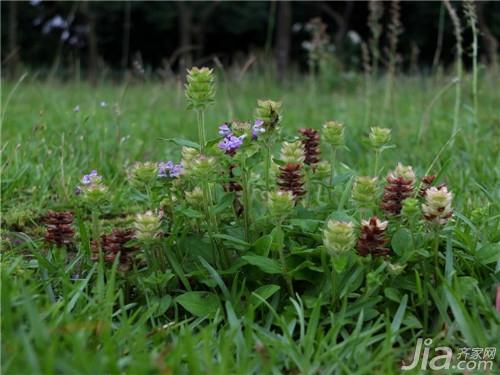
column 437, row 207
column 310, row 143
column 290, row 179
column 333, row 133
column 280, row 203
column 372, row 238
column 189, row 155
column 292, row 152
column 379, row 137
column 398, row 188
column 114, row 244
column 59, row 228
column 200, row 88
column 364, row 191
column 338, row 237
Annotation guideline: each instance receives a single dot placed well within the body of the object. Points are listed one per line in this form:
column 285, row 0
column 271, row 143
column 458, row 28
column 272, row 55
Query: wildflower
column 91, row 178
column 333, row 133
column 224, row 130
column 115, row 244
column 147, row 226
column 204, row 168
column 231, row 143
column 103, row 104
column 290, row 179
column 292, row 152
column 280, row 203
column 379, row 137
column 269, row 112
column 323, row 170
column 189, row 155
column 372, row 238
column 92, row 189
column 195, row 197
column 143, row 173
column 258, row 128
column 169, row 169
column 410, row 208
column 399, row 187
column 364, row 191
column 200, row 88
column 437, row 207
column 76, row 109
column 59, row 228
column 310, row 143
column 338, row 237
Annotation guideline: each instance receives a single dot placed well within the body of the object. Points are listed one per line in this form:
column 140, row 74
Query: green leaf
column 489, row 253
column 398, row 318
column 263, row 245
column 401, row 241
column 267, row 265
column 225, row 202
column 199, row 303
column 264, row 292
column 182, row 142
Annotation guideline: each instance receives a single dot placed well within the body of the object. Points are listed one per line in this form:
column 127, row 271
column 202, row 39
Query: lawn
column 233, row 281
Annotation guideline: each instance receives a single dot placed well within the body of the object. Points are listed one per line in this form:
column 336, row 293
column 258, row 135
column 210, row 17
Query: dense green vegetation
column 278, row 300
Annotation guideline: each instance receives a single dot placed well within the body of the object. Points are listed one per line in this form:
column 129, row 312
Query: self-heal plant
column 398, row 188
column 364, row 191
column 169, row 169
column 333, row 134
column 379, row 140
column 147, row 232
column 437, row 207
column 200, row 93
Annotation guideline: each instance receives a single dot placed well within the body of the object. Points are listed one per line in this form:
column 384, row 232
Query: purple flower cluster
column 92, row 177
column 258, row 128
column 169, row 169
column 231, row 143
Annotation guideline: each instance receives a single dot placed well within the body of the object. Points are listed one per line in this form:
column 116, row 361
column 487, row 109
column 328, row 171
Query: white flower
column 437, row 206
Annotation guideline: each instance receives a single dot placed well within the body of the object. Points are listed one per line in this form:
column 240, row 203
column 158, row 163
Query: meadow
column 230, row 281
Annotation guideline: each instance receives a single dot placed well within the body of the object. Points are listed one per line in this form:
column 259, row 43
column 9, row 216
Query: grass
column 62, row 313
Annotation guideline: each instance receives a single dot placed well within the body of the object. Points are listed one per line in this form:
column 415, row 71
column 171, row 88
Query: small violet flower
column 224, row 130
column 231, row 143
column 90, row 178
column 257, row 128
column 169, row 169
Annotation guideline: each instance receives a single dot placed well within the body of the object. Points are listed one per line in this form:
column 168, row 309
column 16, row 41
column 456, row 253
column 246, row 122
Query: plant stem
column 377, row 160
column 246, row 201
column 96, row 230
column 200, row 117
column 333, row 276
column 268, row 166
column 285, row 268
column 332, row 173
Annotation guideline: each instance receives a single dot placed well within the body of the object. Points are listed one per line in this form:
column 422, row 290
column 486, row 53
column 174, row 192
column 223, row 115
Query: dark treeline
column 169, row 36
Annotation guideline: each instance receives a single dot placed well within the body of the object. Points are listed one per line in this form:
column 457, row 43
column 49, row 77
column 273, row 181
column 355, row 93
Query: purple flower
column 169, row 169
column 231, row 143
column 224, row 130
column 90, row 178
column 257, row 128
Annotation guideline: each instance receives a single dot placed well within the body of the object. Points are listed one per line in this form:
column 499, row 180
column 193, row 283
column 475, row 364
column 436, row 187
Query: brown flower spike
column 234, row 186
column 310, row 142
column 114, row 243
column 372, row 238
column 399, row 187
column 59, row 228
column 290, row 179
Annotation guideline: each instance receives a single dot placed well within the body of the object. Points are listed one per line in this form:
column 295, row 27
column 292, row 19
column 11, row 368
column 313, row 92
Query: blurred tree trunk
column 342, row 20
column 491, row 43
column 126, row 35
column 185, row 43
column 13, row 56
column 92, row 41
column 283, row 37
